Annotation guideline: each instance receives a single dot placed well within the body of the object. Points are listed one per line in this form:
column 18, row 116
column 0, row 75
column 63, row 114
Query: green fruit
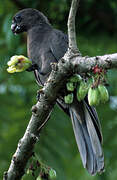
column 69, row 98
column 39, row 178
column 82, row 90
column 104, row 96
column 28, row 171
column 70, row 86
column 76, row 78
column 89, row 82
column 93, row 96
column 52, row 174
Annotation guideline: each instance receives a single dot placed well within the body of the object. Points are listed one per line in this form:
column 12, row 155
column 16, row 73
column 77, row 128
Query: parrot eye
column 18, row 18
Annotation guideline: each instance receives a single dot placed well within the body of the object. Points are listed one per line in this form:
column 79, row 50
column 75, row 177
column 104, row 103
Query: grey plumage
column 89, row 143
column 46, row 45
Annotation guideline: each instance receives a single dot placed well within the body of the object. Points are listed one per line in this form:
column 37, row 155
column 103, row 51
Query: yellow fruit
column 11, row 69
column 13, row 60
column 18, row 64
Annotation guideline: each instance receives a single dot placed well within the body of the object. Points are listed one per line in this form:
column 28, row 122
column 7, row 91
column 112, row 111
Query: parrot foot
column 54, row 66
column 41, row 72
column 32, row 68
column 39, row 92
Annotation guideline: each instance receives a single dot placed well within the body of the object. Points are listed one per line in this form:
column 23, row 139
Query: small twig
column 71, row 26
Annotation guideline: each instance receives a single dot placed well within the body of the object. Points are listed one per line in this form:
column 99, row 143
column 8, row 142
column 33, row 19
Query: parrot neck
column 35, row 37
column 36, row 33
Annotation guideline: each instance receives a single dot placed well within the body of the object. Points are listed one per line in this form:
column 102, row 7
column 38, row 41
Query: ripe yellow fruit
column 18, row 64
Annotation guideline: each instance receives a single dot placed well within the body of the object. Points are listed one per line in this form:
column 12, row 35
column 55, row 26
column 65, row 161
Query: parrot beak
column 15, row 28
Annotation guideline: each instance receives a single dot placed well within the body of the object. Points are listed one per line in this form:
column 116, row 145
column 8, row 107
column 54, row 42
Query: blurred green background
column 96, row 25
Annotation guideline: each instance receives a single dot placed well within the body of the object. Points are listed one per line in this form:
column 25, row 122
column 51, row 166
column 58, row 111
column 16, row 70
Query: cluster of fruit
column 39, row 170
column 18, row 64
column 93, row 86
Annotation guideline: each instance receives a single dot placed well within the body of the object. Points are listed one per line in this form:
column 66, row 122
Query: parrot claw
column 41, row 72
column 54, row 66
column 39, row 92
column 32, row 68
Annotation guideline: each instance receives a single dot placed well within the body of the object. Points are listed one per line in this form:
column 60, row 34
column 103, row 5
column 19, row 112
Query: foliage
column 57, row 146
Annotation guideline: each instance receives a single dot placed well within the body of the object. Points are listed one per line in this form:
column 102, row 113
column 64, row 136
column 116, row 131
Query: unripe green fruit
column 104, row 96
column 93, row 96
column 39, row 178
column 70, row 86
column 52, row 174
column 76, row 78
column 82, row 90
column 28, row 171
column 69, row 98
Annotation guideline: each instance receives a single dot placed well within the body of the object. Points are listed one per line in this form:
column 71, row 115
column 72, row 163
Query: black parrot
column 46, row 45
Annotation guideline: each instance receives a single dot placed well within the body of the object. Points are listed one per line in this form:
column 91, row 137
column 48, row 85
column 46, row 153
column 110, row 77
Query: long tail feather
column 88, row 137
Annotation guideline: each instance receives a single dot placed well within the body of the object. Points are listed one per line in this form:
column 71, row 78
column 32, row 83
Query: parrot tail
column 88, row 136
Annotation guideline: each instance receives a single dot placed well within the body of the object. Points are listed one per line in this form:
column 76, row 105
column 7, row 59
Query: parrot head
column 26, row 19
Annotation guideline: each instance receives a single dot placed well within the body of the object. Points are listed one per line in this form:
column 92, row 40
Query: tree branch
column 41, row 111
column 85, row 64
column 71, row 26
